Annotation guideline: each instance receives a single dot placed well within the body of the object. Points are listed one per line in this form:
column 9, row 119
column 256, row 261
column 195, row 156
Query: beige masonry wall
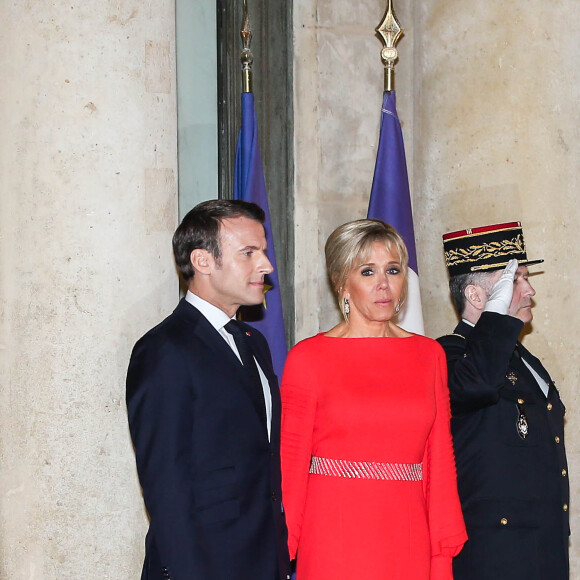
column 488, row 95
column 87, row 209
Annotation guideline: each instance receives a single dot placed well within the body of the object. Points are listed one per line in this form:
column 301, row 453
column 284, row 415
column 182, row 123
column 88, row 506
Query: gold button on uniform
column 564, row 472
column 521, row 401
column 557, row 439
column 549, row 405
column 503, row 521
column 565, row 507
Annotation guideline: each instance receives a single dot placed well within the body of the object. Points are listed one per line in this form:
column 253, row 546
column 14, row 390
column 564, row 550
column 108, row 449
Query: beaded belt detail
column 366, row 469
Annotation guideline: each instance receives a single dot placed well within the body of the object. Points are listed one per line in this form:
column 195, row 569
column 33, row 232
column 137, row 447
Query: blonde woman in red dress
column 368, row 472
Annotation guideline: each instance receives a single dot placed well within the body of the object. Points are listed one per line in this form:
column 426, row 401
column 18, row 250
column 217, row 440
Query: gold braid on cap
column 485, row 251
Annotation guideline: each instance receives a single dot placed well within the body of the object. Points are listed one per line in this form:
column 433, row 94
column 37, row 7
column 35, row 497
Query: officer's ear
column 476, row 296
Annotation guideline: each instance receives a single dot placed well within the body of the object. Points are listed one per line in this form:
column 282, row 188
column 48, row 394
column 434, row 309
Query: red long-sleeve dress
column 369, row 400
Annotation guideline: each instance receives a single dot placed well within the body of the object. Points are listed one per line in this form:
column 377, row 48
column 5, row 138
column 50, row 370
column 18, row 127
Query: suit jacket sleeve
column 159, row 403
column 298, row 415
column 477, row 364
column 446, row 526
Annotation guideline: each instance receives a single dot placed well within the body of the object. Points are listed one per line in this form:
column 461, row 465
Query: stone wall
column 87, row 209
column 488, row 97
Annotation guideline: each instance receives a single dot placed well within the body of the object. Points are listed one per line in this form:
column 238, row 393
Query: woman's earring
column 346, row 306
column 398, row 307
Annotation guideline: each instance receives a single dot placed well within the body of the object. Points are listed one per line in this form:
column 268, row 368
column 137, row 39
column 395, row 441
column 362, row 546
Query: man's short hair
column 458, row 284
column 199, row 229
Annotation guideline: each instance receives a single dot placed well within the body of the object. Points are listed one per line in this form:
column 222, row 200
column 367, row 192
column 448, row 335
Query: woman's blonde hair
column 350, row 245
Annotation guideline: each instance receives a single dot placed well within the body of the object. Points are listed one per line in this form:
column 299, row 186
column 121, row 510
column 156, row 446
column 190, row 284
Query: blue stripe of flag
column 249, row 185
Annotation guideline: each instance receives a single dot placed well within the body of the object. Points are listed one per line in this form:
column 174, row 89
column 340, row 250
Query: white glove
column 501, row 294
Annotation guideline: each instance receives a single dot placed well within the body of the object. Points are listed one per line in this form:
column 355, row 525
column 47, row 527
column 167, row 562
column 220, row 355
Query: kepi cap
column 485, row 248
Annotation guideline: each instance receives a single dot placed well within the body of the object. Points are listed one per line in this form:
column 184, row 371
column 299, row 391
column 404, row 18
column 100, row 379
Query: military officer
column 507, row 416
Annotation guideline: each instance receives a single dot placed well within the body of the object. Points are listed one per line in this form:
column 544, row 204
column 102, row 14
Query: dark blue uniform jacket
column 511, row 462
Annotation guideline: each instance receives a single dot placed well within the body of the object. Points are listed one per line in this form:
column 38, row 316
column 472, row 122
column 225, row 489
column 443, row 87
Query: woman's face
column 373, row 289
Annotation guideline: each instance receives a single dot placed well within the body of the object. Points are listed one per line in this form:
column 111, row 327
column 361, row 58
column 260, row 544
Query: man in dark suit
column 507, row 417
column 204, row 411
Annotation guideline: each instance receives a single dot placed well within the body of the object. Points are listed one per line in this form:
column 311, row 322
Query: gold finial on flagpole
column 246, row 56
column 390, row 31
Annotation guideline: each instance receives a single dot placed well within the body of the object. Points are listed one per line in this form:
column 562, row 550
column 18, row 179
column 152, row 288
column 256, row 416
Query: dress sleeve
column 298, row 412
column 446, row 526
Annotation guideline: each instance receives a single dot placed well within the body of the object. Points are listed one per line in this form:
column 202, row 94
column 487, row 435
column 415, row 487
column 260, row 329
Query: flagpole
column 246, row 56
column 390, row 31
column 250, row 186
column 390, row 199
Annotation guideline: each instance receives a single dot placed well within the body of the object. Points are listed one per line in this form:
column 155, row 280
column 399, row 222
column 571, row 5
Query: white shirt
column 218, row 319
column 541, row 382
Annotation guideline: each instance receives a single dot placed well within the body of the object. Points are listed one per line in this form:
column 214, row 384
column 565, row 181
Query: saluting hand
column 501, row 294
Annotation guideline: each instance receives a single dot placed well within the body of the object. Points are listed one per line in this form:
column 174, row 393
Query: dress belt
column 366, row 469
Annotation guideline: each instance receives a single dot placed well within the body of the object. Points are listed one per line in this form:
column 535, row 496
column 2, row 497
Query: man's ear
column 476, row 296
column 201, row 261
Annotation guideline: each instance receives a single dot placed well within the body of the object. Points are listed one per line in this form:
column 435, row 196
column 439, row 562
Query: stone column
column 87, row 208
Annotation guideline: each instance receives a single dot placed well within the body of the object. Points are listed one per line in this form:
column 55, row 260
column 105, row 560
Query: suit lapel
column 266, row 366
column 534, row 363
column 207, row 334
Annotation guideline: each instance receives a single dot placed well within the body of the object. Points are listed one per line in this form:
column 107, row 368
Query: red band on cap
column 481, row 230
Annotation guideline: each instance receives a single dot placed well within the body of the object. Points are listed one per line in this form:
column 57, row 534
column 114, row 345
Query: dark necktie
column 246, row 354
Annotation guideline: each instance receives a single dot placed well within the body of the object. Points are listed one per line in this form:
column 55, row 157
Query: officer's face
column 521, row 304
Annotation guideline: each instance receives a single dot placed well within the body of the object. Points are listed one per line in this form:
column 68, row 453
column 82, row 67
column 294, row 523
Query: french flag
column 249, row 185
column 391, row 202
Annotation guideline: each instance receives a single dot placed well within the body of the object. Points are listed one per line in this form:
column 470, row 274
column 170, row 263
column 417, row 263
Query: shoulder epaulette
column 455, row 334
